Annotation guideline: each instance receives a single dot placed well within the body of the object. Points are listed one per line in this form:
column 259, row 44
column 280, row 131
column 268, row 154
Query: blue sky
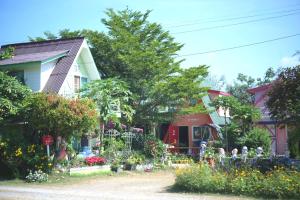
column 20, row 19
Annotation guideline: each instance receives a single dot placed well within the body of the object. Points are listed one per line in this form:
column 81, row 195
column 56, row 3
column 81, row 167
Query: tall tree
column 284, row 96
column 147, row 62
column 244, row 82
column 143, row 55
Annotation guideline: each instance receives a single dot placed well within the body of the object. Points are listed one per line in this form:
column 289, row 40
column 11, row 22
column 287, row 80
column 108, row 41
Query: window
column 19, row 75
column 201, row 133
column 76, row 83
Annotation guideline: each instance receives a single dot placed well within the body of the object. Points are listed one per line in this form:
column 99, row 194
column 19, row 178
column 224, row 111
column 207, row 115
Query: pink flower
column 95, row 160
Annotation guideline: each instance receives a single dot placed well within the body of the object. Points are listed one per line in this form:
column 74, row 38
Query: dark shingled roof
column 32, row 57
column 63, row 65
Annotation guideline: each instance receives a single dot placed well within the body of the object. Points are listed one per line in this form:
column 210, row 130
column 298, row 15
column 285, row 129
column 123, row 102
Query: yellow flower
column 18, row 152
column 31, row 148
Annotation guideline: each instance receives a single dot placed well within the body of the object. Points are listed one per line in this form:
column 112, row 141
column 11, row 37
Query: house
column 186, row 132
column 278, row 131
column 59, row 66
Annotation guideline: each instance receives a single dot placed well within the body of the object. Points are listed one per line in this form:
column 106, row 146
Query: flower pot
column 129, row 167
column 115, row 169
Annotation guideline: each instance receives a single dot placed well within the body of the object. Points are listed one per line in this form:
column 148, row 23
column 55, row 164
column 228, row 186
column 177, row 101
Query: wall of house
column 31, row 73
column 83, row 66
column 46, row 70
column 278, row 133
column 32, row 77
column 79, row 68
column 192, row 120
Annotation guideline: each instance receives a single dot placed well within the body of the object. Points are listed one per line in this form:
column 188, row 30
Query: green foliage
column 284, row 101
column 58, row 116
column 136, row 159
column 234, row 133
column 111, row 96
column 12, row 95
column 244, row 82
column 294, row 142
column 111, row 148
column 7, row 53
column 278, row 183
column 145, row 55
column 21, row 151
column 257, row 137
column 241, row 114
column 200, row 178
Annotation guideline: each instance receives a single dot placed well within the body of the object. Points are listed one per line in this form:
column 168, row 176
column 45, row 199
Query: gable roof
column 259, row 88
column 39, row 51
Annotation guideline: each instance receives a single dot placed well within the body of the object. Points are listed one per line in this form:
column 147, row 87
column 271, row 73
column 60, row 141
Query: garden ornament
column 244, row 154
column 221, row 156
column 202, row 150
column 234, row 154
column 259, row 152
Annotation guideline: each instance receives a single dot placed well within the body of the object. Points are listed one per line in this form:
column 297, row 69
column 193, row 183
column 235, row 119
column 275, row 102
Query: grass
column 61, row 178
column 65, row 178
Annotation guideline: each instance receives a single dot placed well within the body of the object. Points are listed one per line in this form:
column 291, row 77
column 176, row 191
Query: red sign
column 47, row 139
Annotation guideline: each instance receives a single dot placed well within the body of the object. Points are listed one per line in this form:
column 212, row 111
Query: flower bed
column 277, row 183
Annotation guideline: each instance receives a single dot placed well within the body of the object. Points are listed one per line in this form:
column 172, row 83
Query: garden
column 279, row 181
column 110, row 126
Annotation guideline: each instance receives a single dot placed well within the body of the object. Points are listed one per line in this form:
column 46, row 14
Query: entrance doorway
column 183, row 138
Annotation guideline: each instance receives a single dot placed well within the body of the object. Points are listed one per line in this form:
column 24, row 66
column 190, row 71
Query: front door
column 183, row 138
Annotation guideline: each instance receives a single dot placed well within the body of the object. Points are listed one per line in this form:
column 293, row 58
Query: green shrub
column 199, row 178
column 294, row 142
column 257, row 137
column 277, row 183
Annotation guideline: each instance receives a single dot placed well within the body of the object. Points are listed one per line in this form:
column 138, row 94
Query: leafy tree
column 244, row 82
column 242, row 117
column 226, row 103
column 284, row 96
column 112, row 97
column 12, row 95
column 58, row 116
column 146, row 57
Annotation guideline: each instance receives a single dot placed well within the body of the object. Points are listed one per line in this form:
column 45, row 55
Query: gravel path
column 146, row 186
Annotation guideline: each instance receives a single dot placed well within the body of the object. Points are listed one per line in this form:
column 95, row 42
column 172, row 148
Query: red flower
column 95, row 160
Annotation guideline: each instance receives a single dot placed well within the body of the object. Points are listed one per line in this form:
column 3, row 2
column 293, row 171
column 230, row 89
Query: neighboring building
column 278, row 132
column 60, row 66
column 187, row 131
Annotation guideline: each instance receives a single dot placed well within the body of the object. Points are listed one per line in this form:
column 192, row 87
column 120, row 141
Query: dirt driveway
column 144, row 186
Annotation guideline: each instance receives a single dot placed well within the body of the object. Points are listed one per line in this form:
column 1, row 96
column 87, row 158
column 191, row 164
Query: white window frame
column 209, row 130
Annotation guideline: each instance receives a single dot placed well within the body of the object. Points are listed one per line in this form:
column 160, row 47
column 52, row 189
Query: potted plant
column 115, row 166
column 134, row 160
column 130, row 163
